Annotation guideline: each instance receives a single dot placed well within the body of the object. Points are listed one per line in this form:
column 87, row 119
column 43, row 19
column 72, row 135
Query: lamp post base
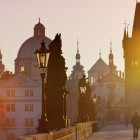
column 42, row 126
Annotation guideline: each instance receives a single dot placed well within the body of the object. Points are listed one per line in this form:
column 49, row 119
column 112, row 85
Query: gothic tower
column 131, row 48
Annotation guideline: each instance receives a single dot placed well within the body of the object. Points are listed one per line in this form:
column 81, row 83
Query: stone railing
column 79, row 131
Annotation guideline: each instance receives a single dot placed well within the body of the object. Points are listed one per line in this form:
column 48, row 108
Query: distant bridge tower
column 131, row 47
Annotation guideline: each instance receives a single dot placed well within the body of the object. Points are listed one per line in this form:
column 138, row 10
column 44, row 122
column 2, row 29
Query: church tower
column 111, row 57
column 77, row 68
column 131, row 48
column 2, row 67
column 111, row 61
column 72, row 86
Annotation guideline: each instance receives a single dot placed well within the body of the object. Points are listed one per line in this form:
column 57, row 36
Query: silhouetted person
column 135, row 122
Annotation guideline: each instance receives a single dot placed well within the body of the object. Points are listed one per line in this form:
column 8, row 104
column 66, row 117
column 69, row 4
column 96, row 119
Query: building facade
column 107, row 84
column 20, row 93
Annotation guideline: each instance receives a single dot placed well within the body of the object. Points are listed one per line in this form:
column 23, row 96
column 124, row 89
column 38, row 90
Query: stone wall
column 79, row 131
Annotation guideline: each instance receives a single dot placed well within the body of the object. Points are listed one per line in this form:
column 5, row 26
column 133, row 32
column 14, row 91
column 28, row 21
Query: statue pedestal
column 56, row 109
column 42, row 125
column 57, row 123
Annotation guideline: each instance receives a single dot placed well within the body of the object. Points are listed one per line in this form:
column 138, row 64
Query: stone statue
column 56, row 75
column 56, row 93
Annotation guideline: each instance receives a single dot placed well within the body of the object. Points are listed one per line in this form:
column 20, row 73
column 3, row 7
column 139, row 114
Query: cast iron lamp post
column 42, row 55
column 83, row 100
column 94, row 99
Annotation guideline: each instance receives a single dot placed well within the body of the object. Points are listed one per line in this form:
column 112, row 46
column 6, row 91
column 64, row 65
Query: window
column 11, row 137
column 29, row 107
column 10, row 93
column 28, row 93
column 92, row 80
column 29, row 122
column 22, row 69
column 10, row 107
column 10, row 121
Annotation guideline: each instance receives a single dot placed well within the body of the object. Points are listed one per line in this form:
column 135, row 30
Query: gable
column 100, row 65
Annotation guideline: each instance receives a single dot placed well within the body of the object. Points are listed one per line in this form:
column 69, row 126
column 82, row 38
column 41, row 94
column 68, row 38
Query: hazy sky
column 94, row 22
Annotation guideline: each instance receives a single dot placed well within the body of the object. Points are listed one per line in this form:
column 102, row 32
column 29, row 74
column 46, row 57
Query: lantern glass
column 42, row 60
column 94, row 99
column 47, row 59
column 37, row 56
column 42, row 56
column 83, row 89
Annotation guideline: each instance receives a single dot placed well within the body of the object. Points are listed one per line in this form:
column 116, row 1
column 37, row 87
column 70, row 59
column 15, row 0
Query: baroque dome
column 28, row 48
column 26, row 61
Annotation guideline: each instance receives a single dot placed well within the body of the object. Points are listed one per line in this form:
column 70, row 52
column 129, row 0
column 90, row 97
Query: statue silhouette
column 56, row 74
column 56, row 93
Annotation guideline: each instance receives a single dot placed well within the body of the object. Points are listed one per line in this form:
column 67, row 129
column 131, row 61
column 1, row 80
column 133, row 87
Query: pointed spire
column 127, row 34
column 77, row 54
column 100, row 52
column 77, row 67
column 110, row 46
column 125, row 31
column 39, row 19
column 111, row 63
column 77, row 46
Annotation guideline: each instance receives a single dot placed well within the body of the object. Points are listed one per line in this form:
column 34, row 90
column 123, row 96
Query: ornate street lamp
column 94, row 99
column 83, row 88
column 83, row 100
column 42, row 55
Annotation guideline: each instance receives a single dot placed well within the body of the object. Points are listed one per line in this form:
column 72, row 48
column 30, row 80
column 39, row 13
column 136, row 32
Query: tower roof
column 136, row 24
column 78, row 54
column 78, row 66
column 111, row 54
